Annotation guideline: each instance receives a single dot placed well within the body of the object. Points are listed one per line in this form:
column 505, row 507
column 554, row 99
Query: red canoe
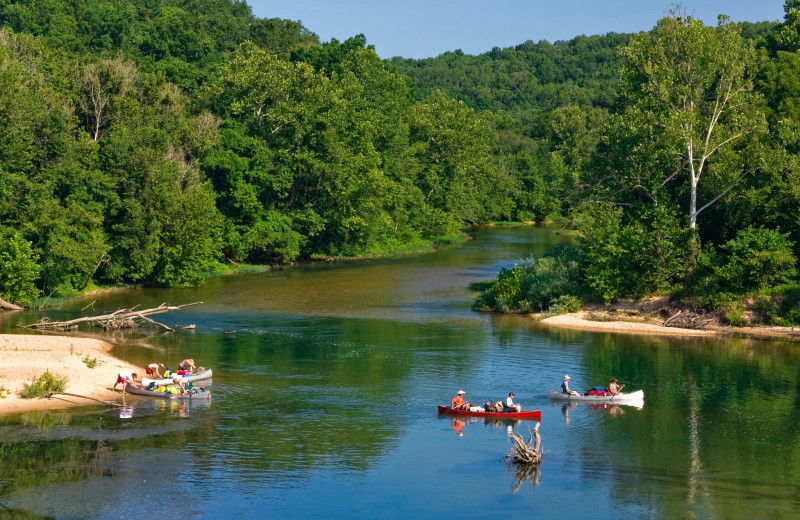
column 533, row 415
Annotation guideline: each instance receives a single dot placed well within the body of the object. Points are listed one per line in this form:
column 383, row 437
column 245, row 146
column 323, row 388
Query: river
column 326, row 380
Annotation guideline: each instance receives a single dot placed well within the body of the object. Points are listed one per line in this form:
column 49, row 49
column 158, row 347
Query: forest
column 153, row 142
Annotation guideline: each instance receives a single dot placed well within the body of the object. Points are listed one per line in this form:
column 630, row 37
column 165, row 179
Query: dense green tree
column 695, row 83
column 756, row 258
column 459, row 178
column 18, row 268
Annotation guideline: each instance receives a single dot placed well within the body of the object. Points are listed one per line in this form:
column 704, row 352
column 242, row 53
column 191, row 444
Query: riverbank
column 86, row 363
column 631, row 322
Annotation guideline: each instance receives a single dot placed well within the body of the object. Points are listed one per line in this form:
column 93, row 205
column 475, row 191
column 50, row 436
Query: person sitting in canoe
column 565, row 386
column 613, row 387
column 458, row 402
column 510, row 406
column 152, row 370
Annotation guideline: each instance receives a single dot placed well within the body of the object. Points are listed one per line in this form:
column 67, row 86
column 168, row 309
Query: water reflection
column 324, row 408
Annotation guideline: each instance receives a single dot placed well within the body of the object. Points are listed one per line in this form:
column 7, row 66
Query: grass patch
column 91, row 362
column 44, row 384
column 4, row 392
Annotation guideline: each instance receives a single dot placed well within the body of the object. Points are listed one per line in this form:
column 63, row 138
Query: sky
column 427, row 28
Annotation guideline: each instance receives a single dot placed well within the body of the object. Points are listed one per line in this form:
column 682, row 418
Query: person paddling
column 458, row 402
column 613, row 387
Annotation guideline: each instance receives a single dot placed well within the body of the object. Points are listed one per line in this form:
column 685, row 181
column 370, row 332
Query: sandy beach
column 24, row 357
column 611, row 322
column 579, row 321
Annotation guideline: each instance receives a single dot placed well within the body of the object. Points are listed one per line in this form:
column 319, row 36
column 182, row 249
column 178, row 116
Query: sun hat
column 567, row 377
column 461, row 392
column 614, row 380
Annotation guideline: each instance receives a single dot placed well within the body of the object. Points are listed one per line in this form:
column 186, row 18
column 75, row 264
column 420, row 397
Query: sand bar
column 578, row 321
column 24, row 357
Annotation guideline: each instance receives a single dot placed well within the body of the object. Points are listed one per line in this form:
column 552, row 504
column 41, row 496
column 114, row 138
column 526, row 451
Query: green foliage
column 143, row 145
column 790, row 308
column 564, row 305
column 91, row 362
column 735, row 315
column 766, row 310
column 18, row 268
column 756, row 259
column 44, row 384
column 534, row 285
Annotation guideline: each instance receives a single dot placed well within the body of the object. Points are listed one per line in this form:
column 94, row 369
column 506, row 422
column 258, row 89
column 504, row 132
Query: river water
column 326, row 380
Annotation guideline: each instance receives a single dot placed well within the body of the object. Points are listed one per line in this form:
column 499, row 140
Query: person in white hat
column 565, row 386
column 458, row 402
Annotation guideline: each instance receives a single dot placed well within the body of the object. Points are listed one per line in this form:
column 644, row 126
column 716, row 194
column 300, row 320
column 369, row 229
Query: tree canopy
column 153, row 141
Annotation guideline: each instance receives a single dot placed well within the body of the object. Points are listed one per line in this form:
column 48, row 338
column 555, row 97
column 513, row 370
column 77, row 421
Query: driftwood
column 6, row 306
column 121, row 319
column 50, row 395
column 689, row 320
column 524, row 453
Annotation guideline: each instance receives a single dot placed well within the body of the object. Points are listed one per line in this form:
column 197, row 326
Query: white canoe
column 206, row 374
column 619, row 398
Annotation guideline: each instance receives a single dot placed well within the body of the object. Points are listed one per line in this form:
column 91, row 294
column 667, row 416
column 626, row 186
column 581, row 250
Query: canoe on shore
column 619, row 398
column 533, row 415
column 206, row 374
column 196, row 393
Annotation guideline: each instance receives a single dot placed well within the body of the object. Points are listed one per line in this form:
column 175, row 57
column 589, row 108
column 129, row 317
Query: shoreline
column 610, row 323
column 91, row 370
column 24, row 357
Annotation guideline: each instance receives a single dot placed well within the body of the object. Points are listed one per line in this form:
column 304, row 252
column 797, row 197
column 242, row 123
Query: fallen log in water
column 8, row 306
column 121, row 319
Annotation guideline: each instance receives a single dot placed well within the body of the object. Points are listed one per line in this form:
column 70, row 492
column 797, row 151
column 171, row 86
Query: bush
column 532, row 285
column 755, row 259
column 767, row 312
column 18, row 268
column 43, row 385
column 564, row 305
column 735, row 315
column 790, row 308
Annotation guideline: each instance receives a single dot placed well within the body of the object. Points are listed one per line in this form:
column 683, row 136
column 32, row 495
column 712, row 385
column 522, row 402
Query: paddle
column 619, row 391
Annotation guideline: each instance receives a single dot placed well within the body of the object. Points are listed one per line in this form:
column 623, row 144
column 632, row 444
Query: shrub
column 44, row 384
column 735, row 315
column 18, row 268
column 91, row 362
column 755, row 259
column 766, row 310
column 790, row 308
column 564, row 305
column 533, row 284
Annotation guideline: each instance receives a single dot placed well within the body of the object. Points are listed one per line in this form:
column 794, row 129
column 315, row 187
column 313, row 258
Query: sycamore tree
column 695, row 83
column 689, row 90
